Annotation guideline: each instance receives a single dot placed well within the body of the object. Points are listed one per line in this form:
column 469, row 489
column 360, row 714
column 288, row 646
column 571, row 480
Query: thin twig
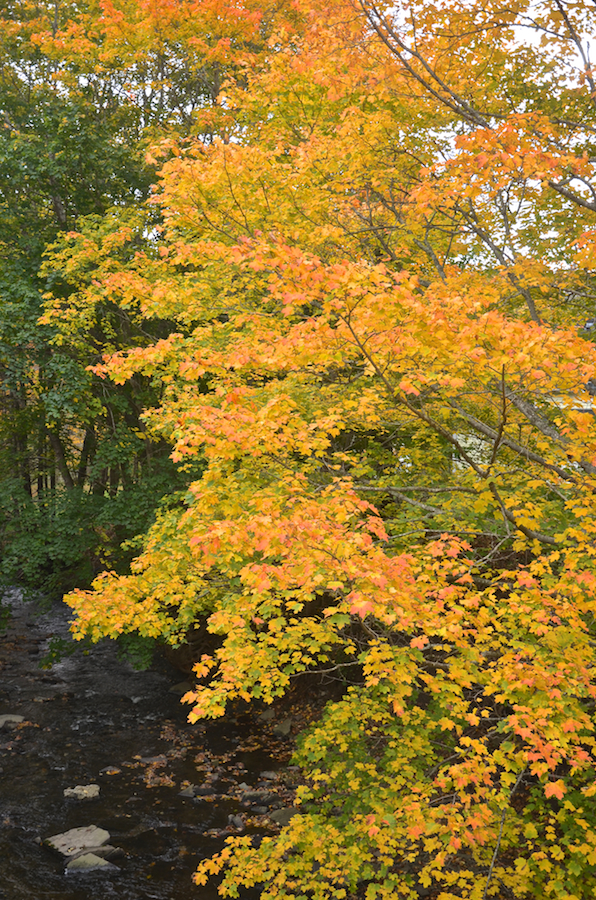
column 502, row 423
column 502, row 825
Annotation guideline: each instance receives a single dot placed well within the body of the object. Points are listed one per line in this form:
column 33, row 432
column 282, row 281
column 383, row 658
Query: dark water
column 92, row 712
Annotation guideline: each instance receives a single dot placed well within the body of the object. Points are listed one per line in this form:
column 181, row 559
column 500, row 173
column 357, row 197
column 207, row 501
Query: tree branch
column 529, row 532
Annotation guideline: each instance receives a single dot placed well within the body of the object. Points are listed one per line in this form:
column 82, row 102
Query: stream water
column 92, row 719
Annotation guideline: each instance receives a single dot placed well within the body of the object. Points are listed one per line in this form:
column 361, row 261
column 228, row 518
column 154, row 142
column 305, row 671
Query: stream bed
column 92, row 719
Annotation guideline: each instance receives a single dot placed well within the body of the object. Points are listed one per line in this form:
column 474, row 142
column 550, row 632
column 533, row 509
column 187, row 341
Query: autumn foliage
column 374, row 246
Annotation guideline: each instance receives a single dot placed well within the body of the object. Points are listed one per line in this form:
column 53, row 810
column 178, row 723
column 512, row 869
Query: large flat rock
column 70, row 843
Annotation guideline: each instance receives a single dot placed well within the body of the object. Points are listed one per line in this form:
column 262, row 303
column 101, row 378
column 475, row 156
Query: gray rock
column 72, row 842
column 9, row 720
column 204, row 790
column 282, row 729
column 90, row 861
column 258, row 810
column 236, row 822
column 187, row 792
column 257, row 796
column 267, row 715
column 283, row 816
column 269, row 776
column 83, row 792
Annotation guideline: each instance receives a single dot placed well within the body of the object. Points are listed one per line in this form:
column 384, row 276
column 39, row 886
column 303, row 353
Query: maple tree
column 380, row 269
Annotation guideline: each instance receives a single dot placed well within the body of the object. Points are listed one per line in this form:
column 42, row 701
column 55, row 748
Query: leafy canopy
column 379, row 267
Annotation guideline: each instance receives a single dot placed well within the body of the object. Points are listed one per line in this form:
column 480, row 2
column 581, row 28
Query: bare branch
column 580, row 49
column 535, row 417
column 564, row 192
column 432, row 83
column 385, row 489
column 529, row 532
column 506, row 441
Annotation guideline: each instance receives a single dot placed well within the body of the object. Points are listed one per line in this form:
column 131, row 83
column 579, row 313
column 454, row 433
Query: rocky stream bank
column 106, row 789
